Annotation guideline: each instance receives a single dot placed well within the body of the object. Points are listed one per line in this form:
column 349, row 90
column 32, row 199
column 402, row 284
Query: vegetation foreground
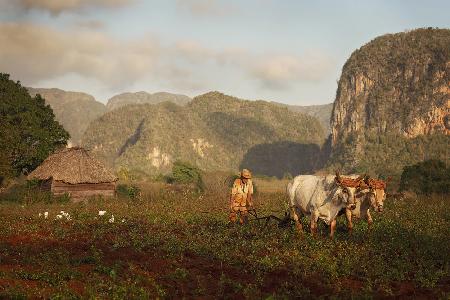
column 174, row 243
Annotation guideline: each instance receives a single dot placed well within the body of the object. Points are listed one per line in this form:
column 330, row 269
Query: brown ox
column 370, row 195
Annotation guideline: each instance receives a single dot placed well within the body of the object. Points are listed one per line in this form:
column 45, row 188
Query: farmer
column 241, row 197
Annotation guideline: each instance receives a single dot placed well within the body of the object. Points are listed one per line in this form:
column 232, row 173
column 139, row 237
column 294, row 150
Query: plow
column 283, row 222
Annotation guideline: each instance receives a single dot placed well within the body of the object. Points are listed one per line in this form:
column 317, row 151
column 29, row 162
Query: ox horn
column 360, row 181
column 367, row 181
column 361, row 177
column 338, row 177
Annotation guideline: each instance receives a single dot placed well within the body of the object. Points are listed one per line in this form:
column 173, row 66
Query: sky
column 289, row 51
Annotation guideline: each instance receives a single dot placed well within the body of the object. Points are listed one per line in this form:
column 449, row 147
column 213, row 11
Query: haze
column 285, row 51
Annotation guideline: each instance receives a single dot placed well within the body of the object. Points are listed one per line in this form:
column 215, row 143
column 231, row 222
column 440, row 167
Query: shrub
column 427, row 177
column 33, row 184
column 29, row 192
column 64, row 198
column 132, row 192
column 124, row 174
column 185, row 173
column 159, row 178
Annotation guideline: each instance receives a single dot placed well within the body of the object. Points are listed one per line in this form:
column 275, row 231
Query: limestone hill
column 145, row 98
column 392, row 103
column 73, row 110
column 213, row 131
column 321, row 112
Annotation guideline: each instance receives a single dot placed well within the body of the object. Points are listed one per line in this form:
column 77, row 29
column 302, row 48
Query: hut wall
column 84, row 190
column 46, row 185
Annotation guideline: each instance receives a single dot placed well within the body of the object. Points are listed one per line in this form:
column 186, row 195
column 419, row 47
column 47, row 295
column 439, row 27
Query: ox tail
column 290, row 191
column 288, row 188
column 290, row 200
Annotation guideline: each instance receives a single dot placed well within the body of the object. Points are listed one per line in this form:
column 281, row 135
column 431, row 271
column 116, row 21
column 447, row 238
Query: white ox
column 321, row 197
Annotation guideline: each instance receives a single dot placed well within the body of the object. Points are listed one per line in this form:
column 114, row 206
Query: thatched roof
column 73, row 165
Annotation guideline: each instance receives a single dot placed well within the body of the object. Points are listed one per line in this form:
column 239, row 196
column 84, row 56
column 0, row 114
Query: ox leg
column 298, row 223
column 313, row 225
column 348, row 216
column 369, row 220
column 332, row 228
column 233, row 216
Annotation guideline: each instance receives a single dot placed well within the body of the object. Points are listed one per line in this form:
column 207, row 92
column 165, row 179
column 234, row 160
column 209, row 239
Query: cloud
column 192, row 51
column 56, row 7
column 279, row 71
column 182, row 79
column 33, row 53
column 272, row 71
column 39, row 54
column 202, row 8
column 90, row 24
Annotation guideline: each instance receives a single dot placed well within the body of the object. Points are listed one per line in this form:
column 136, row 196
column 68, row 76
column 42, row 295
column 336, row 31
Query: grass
column 176, row 243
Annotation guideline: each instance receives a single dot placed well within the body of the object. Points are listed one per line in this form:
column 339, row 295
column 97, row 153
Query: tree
column 427, row 177
column 28, row 129
column 185, row 173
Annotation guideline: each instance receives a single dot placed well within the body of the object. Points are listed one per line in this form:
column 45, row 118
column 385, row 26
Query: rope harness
column 362, row 183
column 376, row 184
column 348, row 182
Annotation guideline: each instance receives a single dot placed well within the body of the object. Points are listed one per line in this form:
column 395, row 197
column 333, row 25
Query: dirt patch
column 40, row 239
column 408, row 290
column 9, row 268
column 76, row 286
column 85, row 268
column 8, row 283
column 351, row 284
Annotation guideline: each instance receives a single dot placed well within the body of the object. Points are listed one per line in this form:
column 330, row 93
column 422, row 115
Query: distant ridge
column 74, row 110
column 214, row 131
column 321, row 112
column 145, row 98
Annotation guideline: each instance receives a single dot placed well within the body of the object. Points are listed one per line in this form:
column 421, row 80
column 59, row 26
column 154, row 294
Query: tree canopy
column 28, row 129
column 427, row 177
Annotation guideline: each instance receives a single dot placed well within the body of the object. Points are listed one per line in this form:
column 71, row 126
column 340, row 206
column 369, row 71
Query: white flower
column 68, row 218
column 62, row 212
column 101, row 212
column 111, row 220
column 46, row 214
column 123, row 220
column 59, row 217
column 40, row 215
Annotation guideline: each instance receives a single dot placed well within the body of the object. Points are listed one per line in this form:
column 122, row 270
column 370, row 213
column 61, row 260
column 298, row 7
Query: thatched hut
column 75, row 172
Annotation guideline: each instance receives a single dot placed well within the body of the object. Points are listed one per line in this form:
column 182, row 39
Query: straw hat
column 246, row 174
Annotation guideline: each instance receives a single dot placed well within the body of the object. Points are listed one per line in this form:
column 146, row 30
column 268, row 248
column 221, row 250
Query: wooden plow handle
column 285, row 222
